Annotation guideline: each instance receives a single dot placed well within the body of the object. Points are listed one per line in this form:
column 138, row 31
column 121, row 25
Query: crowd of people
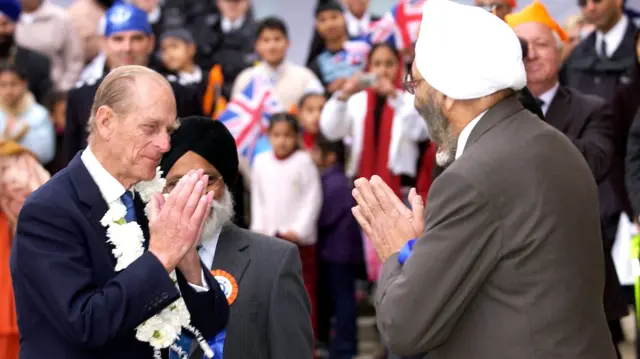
column 347, row 113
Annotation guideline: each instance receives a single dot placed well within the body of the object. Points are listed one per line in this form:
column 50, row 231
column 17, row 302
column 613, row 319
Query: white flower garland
column 163, row 329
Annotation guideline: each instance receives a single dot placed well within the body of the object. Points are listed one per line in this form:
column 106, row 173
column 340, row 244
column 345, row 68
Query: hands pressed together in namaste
column 175, row 225
column 387, row 222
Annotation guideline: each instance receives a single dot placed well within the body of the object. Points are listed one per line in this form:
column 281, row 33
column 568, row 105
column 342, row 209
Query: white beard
column 221, row 214
column 444, row 158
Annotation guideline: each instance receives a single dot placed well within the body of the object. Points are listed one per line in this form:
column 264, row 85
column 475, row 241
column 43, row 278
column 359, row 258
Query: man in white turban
column 508, row 262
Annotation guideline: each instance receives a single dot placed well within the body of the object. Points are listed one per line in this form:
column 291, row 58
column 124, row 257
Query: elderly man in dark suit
column 261, row 276
column 89, row 268
column 586, row 119
column 508, row 262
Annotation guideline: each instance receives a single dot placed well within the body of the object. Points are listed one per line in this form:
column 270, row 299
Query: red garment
column 310, row 278
column 425, row 172
column 9, row 338
column 375, row 155
column 308, row 139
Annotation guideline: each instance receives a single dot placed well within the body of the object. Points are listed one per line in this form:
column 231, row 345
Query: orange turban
column 536, row 12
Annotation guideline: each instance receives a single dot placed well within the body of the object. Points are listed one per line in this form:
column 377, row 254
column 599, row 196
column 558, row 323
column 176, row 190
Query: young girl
column 309, row 110
column 381, row 121
column 286, row 195
column 339, row 252
column 22, row 120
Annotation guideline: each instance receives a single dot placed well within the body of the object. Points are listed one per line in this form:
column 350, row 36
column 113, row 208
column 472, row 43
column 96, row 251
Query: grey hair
column 116, row 91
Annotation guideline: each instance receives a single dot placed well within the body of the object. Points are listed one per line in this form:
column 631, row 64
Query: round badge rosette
column 228, row 284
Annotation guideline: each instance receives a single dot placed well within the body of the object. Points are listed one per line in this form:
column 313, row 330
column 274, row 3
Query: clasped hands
column 387, row 222
column 175, row 225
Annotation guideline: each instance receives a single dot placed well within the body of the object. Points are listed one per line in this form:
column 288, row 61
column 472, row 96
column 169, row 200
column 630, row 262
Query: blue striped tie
column 127, row 200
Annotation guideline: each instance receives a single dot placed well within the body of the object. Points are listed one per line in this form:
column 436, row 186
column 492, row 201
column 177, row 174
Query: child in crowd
column 290, row 81
column 380, row 119
column 178, row 51
column 339, row 251
column 57, row 107
column 22, row 119
column 334, row 57
column 286, row 195
column 309, row 110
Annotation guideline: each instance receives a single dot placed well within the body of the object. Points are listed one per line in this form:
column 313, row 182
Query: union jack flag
column 399, row 26
column 248, row 114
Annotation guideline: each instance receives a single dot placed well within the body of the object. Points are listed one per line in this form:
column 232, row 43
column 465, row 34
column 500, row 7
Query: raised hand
column 387, row 222
column 175, row 225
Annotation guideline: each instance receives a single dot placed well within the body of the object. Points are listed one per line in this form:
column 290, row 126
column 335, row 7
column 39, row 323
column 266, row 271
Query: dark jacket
column 625, row 106
column 233, row 51
column 339, row 237
column 588, row 73
column 80, row 100
column 587, row 121
column 71, row 303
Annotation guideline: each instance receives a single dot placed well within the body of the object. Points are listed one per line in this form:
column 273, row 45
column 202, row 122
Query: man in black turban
column 261, row 276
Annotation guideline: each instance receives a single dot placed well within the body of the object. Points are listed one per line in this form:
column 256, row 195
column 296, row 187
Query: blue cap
column 125, row 17
column 10, row 9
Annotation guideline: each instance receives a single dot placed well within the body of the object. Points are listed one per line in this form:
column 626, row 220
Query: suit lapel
column 229, row 254
column 93, row 203
column 558, row 112
column 496, row 114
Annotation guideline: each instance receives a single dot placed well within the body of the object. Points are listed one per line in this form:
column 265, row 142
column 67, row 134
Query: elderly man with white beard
column 508, row 261
column 261, row 276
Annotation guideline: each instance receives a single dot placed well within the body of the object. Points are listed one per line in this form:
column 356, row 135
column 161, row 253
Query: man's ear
column 105, row 122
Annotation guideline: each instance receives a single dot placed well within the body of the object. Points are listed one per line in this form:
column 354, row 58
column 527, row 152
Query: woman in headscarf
column 20, row 174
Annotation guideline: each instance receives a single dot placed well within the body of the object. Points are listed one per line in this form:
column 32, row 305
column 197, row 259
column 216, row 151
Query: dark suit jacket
column 587, row 121
column 70, row 301
column 80, row 100
column 271, row 317
column 510, row 263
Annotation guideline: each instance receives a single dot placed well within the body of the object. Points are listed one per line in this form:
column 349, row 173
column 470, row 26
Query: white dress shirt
column 357, row 27
column 208, row 250
column 231, row 25
column 111, row 190
column 547, row 97
column 466, row 132
column 613, row 38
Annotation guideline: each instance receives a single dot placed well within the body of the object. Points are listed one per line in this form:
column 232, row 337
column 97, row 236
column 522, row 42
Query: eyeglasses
column 410, row 85
column 213, row 184
column 583, row 3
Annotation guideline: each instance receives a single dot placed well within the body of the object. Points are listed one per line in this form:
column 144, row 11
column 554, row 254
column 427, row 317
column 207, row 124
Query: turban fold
column 126, row 17
column 536, row 12
column 10, row 9
column 466, row 52
column 208, row 138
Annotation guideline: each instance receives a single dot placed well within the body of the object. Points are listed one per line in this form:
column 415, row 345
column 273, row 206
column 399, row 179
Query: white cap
column 466, row 52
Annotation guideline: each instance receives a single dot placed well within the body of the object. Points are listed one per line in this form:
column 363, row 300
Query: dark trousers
column 336, row 299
